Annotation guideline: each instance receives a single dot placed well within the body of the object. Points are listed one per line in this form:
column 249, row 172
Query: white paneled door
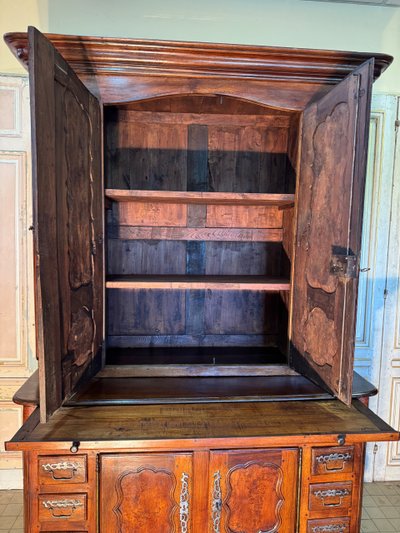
column 17, row 358
column 386, row 457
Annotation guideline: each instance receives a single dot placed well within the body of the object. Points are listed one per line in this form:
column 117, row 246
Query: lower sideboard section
column 304, row 489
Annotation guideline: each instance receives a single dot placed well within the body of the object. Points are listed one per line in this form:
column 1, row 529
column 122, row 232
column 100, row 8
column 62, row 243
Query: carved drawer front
column 335, row 460
column 62, row 507
column 330, row 496
column 62, row 469
column 253, row 491
column 329, row 525
column 146, row 492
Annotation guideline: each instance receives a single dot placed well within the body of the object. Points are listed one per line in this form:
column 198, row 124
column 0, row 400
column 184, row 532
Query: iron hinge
column 344, row 266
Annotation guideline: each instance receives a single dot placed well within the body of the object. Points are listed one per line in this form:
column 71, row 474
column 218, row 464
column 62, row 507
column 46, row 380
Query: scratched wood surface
column 211, row 421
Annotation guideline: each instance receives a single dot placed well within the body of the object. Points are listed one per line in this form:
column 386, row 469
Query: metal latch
column 344, row 266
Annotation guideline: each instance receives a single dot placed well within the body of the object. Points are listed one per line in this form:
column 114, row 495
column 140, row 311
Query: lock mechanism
column 344, row 266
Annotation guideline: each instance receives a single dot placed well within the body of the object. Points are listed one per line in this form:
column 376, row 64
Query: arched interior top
column 202, row 103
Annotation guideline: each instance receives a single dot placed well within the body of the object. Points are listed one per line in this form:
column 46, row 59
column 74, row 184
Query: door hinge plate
column 344, row 266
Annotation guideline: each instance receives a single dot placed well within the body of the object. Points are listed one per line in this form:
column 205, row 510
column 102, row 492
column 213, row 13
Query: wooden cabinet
column 198, row 212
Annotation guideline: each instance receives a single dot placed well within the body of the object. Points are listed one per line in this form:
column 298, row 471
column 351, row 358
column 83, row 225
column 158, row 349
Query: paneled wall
column 17, row 360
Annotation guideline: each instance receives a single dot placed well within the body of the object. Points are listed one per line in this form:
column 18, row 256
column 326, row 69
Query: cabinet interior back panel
column 196, row 157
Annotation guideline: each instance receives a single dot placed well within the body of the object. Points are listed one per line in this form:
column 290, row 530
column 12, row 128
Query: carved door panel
column 140, row 493
column 68, row 199
column 253, row 491
column 334, row 143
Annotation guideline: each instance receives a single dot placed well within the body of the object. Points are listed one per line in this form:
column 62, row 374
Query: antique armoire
column 197, row 222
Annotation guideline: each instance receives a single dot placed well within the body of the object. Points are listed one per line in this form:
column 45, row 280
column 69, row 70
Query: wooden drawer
column 335, row 460
column 329, row 525
column 56, row 469
column 58, row 508
column 330, row 496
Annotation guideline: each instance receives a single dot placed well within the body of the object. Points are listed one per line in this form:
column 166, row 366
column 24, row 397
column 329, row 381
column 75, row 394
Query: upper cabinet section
column 108, row 66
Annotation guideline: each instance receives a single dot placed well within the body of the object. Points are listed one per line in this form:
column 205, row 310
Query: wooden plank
column 239, row 216
column 131, row 371
column 150, row 214
column 245, row 340
column 195, row 234
column 196, row 215
column 197, row 158
column 145, row 256
column 195, row 300
column 220, row 119
column 185, row 197
column 145, row 312
column 217, row 283
column 215, row 424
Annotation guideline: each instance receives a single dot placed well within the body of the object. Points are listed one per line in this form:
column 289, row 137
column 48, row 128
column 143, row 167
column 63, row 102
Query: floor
column 381, row 509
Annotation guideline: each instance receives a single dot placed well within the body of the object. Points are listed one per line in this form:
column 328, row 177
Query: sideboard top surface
column 213, row 424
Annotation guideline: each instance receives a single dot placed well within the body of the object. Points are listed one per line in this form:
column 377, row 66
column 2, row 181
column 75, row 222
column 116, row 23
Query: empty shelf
column 220, row 283
column 174, row 197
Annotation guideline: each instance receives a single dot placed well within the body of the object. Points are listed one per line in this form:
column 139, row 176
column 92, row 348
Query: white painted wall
column 296, row 23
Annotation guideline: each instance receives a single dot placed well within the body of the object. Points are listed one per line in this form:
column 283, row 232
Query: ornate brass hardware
column 56, row 505
column 184, row 503
column 52, row 468
column 332, row 528
column 326, row 460
column 216, row 507
column 331, row 493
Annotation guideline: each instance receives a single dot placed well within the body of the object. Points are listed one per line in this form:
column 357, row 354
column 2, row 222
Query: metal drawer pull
column 54, row 467
column 332, row 528
column 331, row 493
column 54, row 505
column 216, row 507
column 184, row 503
column 326, row 460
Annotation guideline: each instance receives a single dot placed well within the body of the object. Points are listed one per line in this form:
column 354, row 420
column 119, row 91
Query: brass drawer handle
column 216, row 507
column 327, row 460
column 331, row 493
column 53, row 468
column 184, row 503
column 56, row 505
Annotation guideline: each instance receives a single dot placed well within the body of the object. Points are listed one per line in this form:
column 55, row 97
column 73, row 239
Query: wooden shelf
column 218, row 283
column 210, row 198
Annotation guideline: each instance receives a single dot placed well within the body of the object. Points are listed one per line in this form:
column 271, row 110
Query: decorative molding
column 11, row 105
column 147, row 521
column 276, row 475
column 10, row 421
column 112, row 56
column 14, row 244
column 393, row 458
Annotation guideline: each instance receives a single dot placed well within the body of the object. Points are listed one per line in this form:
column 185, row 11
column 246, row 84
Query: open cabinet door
column 333, row 156
column 67, row 195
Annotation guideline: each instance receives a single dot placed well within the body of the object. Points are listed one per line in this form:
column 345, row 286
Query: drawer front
column 336, row 460
column 62, row 507
column 62, row 469
column 329, row 525
column 330, row 496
